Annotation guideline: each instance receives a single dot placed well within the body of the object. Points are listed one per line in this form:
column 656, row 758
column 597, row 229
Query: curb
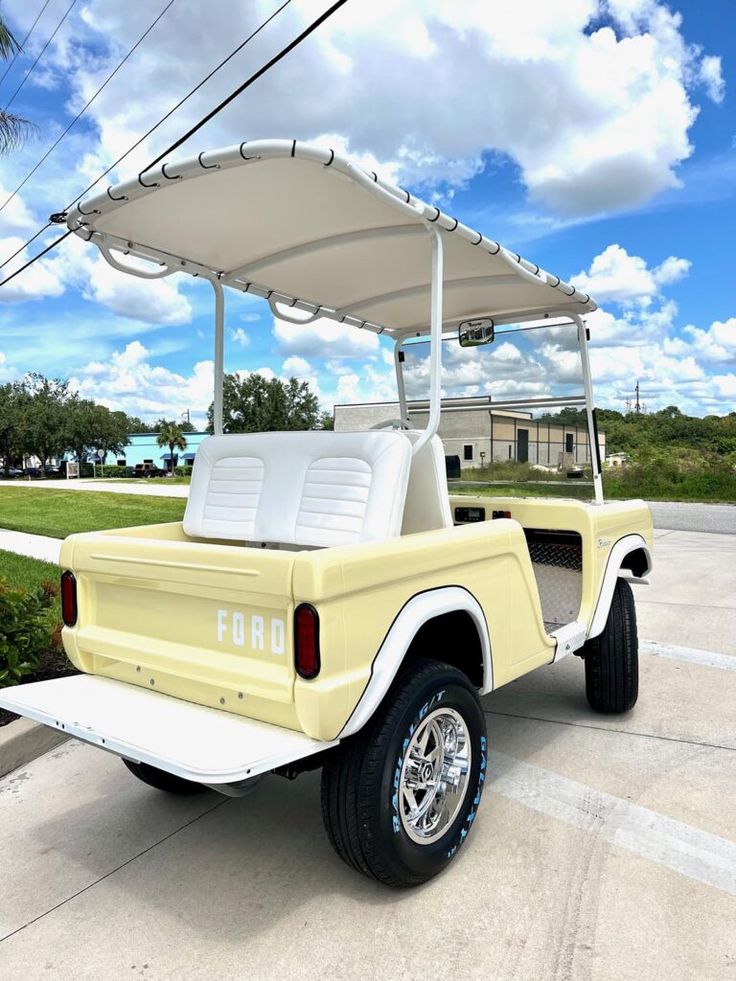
column 23, row 741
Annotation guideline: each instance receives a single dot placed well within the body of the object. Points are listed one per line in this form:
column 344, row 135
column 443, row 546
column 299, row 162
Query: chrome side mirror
column 473, row 333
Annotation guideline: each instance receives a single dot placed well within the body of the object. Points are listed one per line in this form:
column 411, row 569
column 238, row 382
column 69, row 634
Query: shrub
column 677, row 474
column 26, row 627
column 113, row 470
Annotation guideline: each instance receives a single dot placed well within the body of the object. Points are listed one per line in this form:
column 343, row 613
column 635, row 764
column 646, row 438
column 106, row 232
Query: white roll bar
column 219, row 366
column 589, row 408
column 435, row 335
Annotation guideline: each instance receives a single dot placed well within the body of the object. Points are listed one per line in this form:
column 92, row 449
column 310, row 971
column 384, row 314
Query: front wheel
column 612, row 659
column 401, row 796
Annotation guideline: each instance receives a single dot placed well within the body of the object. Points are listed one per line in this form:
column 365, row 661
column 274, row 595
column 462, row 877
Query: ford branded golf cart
column 325, row 602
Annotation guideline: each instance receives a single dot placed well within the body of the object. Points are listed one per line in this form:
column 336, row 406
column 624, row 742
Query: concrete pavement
column 691, row 600
column 691, row 516
column 605, row 847
column 105, row 486
column 34, row 546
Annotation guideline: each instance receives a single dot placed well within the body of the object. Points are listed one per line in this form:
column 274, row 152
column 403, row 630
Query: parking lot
column 605, row 847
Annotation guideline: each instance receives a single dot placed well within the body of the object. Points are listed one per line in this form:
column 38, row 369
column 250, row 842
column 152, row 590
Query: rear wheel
column 612, row 659
column 401, row 796
column 162, row 780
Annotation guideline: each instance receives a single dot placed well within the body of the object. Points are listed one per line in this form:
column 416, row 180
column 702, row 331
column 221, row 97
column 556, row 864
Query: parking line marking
column 708, row 659
column 697, row 854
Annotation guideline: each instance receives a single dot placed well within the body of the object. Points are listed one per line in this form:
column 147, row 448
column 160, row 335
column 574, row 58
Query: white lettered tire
column 401, row 796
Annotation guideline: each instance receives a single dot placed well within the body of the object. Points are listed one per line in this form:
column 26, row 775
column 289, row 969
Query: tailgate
column 194, row 742
column 209, row 623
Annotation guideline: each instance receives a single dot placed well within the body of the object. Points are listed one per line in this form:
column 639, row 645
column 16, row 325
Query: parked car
column 147, row 469
column 10, row 473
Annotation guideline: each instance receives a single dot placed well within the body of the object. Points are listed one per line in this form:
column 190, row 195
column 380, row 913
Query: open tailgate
column 192, row 741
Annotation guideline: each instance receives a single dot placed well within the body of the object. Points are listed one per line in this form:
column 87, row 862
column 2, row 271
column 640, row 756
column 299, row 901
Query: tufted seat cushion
column 299, row 488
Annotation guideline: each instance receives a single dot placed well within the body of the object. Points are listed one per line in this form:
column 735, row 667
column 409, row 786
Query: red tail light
column 306, row 641
column 68, row 598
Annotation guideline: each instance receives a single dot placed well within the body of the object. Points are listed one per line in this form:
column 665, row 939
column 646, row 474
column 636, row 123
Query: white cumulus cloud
column 130, row 382
column 592, row 99
column 614, row 275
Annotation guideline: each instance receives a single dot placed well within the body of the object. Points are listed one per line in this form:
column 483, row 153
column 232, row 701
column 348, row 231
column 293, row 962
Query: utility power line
column 39, row 255
column 149, row 131
column 39, row 56
column 89, row 102
column 253, row 78
column 181, row 102
column 205, row 119
column 21, row 46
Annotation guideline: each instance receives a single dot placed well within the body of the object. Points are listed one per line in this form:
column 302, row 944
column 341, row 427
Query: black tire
column 360, row 808
column 162, row 780
column 612, row 659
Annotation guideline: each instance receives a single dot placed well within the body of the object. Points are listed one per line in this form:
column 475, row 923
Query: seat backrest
column 427, row 503
column 299, row 488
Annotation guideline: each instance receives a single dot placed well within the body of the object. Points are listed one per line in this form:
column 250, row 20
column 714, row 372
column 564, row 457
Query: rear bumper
column 197, row 743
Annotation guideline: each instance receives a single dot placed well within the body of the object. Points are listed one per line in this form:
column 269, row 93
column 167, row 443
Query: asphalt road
column 604, row 849
column 716, row 518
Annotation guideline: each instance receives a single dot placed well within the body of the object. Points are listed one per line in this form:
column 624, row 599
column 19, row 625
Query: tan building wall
column 499, row 436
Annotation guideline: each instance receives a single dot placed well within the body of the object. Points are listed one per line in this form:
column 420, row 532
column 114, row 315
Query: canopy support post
column 595, row 459
column 400, row 386
column 435, row 336
column 219, row 366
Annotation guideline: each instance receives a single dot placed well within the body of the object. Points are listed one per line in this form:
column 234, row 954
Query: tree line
column 254, row 404
column 43, row 418
column 641, row 434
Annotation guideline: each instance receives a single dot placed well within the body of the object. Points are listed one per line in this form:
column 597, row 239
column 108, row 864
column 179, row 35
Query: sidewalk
column 106, row 487
column 34, row 546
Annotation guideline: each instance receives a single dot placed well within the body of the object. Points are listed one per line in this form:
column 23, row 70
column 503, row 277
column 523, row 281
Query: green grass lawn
column 575, row 489
column 21, row 571
column 147, row 480
column 59, row 513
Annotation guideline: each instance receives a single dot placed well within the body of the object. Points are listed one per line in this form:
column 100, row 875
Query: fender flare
column 416, row 612
column 623, row 547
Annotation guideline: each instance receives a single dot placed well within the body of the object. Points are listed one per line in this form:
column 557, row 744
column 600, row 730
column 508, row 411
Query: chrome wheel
column 434, row 775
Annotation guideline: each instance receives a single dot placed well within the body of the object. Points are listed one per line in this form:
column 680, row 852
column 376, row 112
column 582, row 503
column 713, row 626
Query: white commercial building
column 478, row 434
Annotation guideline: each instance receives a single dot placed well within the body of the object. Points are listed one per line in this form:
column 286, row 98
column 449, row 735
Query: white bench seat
column 310, row 489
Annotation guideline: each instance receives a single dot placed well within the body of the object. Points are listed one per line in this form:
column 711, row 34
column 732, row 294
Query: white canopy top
column 306, row 228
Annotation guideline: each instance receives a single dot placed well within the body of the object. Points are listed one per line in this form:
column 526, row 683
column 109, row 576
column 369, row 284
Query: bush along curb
column 23, row 741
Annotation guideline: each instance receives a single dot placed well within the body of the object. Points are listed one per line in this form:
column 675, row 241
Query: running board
column 201, row 744
column 570, row 638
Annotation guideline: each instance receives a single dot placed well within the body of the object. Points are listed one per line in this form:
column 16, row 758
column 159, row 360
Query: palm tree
column 13, row 128
column 172, row 435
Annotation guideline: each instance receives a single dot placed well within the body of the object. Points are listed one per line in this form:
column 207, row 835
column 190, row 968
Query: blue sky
column 597, row 137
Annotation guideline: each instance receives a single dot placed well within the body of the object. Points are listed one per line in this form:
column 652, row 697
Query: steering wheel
column 393, row 424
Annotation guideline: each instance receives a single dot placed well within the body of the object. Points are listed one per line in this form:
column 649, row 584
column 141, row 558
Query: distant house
column 479, row 434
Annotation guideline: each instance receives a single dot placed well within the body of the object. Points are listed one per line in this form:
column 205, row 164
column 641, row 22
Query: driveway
column 605, row 847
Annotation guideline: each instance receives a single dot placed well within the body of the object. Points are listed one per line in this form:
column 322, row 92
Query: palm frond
column 8, row 44
column 14, row 131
